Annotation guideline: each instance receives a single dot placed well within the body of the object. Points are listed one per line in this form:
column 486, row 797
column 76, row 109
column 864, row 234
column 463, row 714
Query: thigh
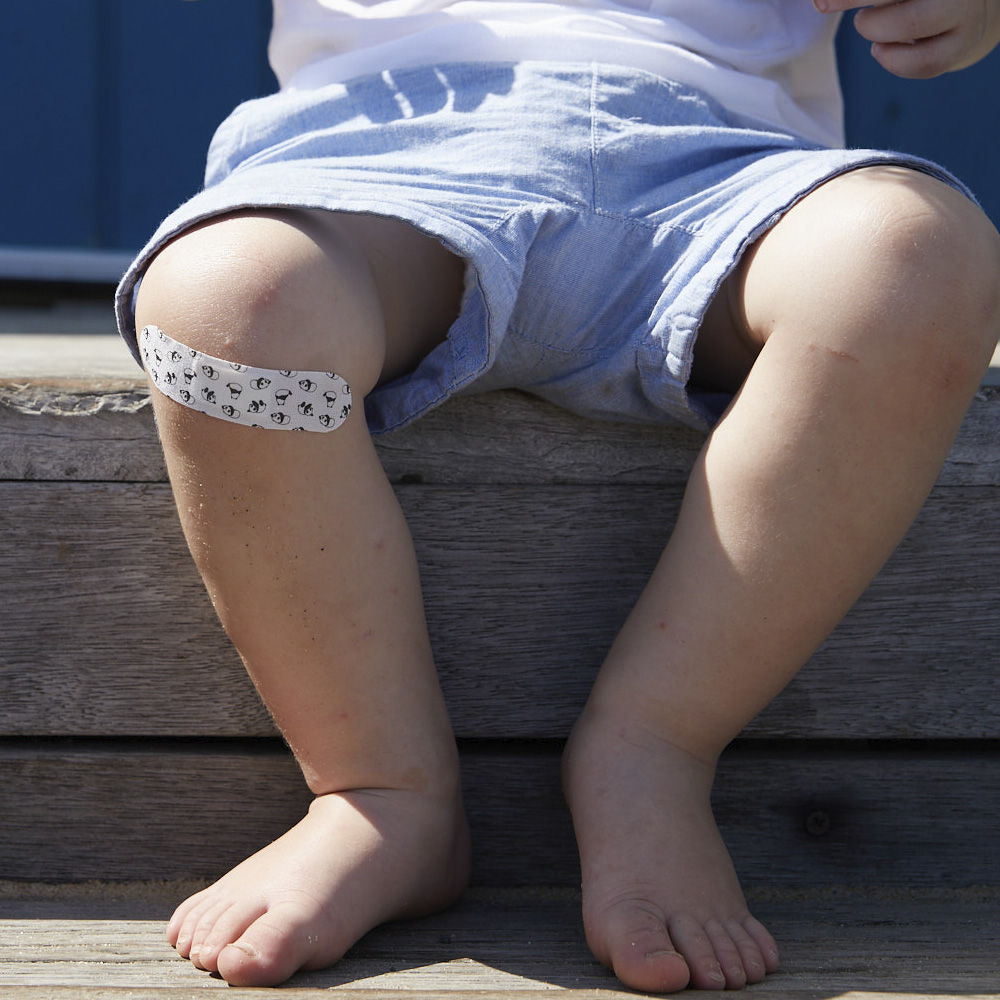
column 419, row 283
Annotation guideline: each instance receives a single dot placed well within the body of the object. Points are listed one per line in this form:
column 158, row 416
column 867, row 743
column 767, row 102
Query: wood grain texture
column 791, row 815
column 80, row 429
column 71, row 434
column 107, row 630
column 528, row 943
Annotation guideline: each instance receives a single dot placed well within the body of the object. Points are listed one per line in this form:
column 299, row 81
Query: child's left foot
column 661, row 903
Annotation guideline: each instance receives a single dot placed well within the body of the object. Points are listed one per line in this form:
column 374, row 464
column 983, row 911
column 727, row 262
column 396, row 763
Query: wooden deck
column 861, row 808
column 106, row 943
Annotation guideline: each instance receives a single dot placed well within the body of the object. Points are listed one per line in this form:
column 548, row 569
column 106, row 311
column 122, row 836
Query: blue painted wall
column 953, row 119
column 108, row 107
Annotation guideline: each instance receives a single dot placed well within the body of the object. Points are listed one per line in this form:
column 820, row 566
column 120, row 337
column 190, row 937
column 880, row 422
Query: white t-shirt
column 770, row 60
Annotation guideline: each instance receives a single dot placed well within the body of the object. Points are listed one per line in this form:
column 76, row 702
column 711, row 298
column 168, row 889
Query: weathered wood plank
column 509, row 437
column 528, row 943
column 807, row 992
column 791, row 816
column 150, row 988
column 776, row 989
column 447, row 984
column 48, row 432
column 107, row 436
column 108, row 630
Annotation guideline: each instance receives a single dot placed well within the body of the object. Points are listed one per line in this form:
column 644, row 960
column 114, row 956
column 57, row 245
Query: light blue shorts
column 598, row 210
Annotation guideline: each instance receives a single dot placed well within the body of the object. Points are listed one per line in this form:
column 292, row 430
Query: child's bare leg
column 308, row 560
column 877, row 301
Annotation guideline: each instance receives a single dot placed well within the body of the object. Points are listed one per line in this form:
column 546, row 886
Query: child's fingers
column 911, row 20
column 839, row 6
column 916, row 39
column 919, row 60
column 924, row 38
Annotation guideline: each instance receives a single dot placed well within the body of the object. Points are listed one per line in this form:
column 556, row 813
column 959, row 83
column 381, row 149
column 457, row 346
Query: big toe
column 274, row 947
column 635, row 942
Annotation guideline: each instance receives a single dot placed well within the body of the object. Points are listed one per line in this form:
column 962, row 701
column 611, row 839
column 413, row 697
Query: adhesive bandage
column 254, row 397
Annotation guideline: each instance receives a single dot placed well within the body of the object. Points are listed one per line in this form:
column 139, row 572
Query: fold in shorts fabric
column 598, row 210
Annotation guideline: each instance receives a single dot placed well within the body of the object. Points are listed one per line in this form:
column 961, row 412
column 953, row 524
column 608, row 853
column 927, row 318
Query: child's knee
column 894, row 259
column 951, row 278
column 933, row 266
column 935, row 258
column 270, row 292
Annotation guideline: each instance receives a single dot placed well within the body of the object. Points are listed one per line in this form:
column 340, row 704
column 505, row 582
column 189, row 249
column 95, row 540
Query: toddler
column 639, row 210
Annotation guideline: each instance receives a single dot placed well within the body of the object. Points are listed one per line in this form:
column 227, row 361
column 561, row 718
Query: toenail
column 247, row 949
column 663, row 951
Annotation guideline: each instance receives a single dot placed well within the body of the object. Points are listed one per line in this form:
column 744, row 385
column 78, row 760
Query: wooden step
column 856, row 808
column 118, row 688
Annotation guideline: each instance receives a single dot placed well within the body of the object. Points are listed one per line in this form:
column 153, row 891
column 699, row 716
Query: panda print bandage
column 254, row 397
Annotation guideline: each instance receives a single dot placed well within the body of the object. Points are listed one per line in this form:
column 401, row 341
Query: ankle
column 433, row 776
column 614, row 729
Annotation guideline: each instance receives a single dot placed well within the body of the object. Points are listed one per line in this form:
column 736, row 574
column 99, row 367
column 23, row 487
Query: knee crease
column 241, row 394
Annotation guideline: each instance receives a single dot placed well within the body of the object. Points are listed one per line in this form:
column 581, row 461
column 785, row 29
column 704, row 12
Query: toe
column 229, row 926
column 635, row 943
column 765, row 943
column 179, row 921
column 204, row 926
column 699, row 946
column 728, row 954
column 187, row 929
column 277, row 944
column 755, row 964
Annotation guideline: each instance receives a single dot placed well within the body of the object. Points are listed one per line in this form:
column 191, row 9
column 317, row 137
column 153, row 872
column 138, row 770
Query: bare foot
column 661, row 903
column 355, row 860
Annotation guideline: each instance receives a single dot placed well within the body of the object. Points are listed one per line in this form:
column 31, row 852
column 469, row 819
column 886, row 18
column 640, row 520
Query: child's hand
column 924, row 38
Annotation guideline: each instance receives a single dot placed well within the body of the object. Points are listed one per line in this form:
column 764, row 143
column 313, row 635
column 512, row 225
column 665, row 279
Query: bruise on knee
column 241, row 394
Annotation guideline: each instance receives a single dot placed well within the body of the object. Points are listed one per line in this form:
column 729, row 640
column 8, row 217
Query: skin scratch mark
column 844, row 355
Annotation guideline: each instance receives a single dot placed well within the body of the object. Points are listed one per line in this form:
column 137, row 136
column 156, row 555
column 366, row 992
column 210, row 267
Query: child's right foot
column 661, row 903
column 356, row 860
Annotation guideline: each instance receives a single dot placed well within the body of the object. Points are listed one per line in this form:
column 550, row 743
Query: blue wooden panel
column 953, row 119
column 180, row 69
column 48, row 114
column 108, row 109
